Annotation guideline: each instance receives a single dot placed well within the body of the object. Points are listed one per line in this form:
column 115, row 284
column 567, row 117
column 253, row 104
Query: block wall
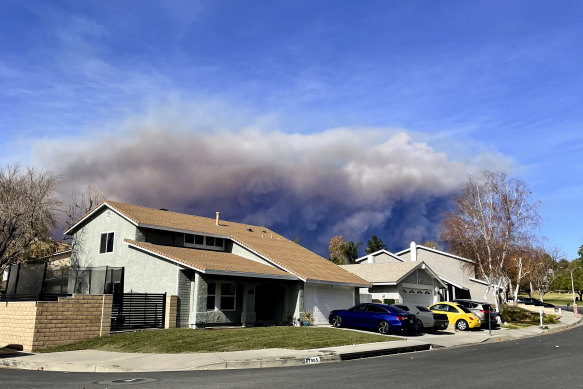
column 171, row 312
column 38, row 325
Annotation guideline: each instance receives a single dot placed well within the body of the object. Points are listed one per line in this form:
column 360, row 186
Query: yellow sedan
column 461, row 316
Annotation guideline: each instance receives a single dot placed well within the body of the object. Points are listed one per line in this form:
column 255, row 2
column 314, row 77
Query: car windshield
column 466, row 310
column 422, row 308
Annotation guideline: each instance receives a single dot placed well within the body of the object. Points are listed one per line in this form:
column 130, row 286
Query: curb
column 323, row 356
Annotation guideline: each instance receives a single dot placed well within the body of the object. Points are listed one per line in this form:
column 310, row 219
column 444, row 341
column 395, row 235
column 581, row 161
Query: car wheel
column 337, row 321
column 418, row 326
column 461, row 325
column 384, row 327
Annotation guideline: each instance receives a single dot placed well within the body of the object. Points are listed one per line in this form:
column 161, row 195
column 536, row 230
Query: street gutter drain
column 378, row 353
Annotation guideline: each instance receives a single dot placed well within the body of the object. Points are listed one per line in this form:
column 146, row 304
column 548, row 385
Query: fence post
column 164, row 311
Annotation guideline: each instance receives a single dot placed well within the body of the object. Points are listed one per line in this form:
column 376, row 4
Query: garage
column 321, row 299
column 417, row 296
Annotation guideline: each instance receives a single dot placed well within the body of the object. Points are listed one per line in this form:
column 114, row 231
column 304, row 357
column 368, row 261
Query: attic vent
column 249, row 229
column 163, row 209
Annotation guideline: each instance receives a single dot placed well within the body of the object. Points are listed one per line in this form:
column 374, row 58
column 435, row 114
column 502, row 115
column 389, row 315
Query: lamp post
column 575, row 313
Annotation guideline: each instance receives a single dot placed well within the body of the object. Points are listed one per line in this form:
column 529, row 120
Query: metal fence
column 42, row 282
column 131, row 311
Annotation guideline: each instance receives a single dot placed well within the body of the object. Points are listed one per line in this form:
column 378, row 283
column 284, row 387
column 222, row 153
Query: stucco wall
column 241, row 251
column 143, row 273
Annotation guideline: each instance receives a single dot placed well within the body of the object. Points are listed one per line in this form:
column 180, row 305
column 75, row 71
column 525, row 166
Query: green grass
column 184, row 340
column 558, row 298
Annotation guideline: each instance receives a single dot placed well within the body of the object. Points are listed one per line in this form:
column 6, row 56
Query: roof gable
column 436, row 252
column 389, row 273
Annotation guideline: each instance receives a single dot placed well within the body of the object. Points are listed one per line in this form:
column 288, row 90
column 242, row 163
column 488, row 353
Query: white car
column 426, row 320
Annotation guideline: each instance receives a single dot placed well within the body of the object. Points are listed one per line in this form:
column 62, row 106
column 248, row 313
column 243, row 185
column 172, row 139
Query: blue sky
column 457, row 86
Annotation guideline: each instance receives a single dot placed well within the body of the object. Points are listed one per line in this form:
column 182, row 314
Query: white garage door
column 321, row 299
column 415, row 296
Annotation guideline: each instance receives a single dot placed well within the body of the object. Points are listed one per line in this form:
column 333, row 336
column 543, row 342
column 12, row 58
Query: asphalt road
column 549, row 361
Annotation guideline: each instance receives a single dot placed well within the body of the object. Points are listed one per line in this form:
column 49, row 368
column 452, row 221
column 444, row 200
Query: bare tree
column 28, row 208
column 547, row 265
column 493, row 216
column 83, row 202
column 80, row 204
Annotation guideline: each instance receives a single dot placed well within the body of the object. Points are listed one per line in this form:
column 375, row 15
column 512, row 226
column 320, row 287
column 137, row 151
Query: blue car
column 379, row 317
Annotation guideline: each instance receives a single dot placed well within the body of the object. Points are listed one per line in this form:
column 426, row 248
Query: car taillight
column 401, row 317
column 484, row 311
column 471, row 318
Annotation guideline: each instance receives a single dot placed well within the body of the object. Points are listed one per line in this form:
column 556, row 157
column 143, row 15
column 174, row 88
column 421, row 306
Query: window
column 210, row 297
column 219, row 242
column 221, row 298
column 198, row 239
column 189, row 238
column 106, row 244
column 210, row 241
column 227, row 297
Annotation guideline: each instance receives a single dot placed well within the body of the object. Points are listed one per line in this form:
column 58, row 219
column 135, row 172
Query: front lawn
column 517, row 317
column 184, row 340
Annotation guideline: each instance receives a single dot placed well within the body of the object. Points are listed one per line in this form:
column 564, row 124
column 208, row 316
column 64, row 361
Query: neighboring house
column 403, row 282
column 456, row 272
column 224, row 273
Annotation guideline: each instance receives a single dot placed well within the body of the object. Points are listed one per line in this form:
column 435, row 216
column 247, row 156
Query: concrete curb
column 151, row 362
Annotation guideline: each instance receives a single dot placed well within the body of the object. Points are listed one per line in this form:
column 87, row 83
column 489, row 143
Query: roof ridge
column 113, row 203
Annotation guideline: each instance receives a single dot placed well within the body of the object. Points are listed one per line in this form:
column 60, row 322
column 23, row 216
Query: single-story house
column 224, row 273
column 402, row 282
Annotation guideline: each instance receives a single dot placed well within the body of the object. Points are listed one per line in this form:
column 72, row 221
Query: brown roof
column 282, row 252
column 382, row 272
column 207, row 260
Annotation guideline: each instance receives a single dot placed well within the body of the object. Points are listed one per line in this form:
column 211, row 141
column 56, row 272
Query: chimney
column 217, row 220
column 413, row 252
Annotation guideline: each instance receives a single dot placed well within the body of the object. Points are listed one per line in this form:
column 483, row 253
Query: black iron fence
column 131, row 311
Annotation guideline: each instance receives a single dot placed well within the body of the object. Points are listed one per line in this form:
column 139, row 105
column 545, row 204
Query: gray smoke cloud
column 350, row 182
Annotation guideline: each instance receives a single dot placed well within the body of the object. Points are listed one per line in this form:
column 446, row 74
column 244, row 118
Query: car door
column 442, row 308
column 353, row 316
column 453, row 313
column 374, row 315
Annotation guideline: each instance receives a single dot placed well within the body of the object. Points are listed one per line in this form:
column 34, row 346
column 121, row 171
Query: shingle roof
column 210, row 261
column 277, row 249
column 382, row 272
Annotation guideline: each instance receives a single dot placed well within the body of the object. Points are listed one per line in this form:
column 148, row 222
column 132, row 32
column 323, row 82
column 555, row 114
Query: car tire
column 462, row 325
column 384, row 327
column 418, row 326
column 337, row 321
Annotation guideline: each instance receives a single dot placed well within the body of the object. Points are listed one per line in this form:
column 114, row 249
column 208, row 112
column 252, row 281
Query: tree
column 80, row 204
column 341, row 252
column 431, row 244
column 544, row 268
column 374, row 244
column 83, row 202
column 492, row 216
column 336, row 249
column 351, row 251
column 575, row 267
column 27, row 212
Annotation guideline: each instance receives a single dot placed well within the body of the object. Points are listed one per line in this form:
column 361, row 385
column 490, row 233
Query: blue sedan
column 379, row 317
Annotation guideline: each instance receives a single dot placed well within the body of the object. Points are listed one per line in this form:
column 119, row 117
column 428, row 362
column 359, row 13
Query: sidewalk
column 103, row 361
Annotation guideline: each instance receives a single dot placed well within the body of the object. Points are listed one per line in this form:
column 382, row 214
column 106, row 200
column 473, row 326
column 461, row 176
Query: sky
column 314, row 119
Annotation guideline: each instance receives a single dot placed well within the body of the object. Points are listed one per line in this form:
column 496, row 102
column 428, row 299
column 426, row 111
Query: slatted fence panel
column 132, row 311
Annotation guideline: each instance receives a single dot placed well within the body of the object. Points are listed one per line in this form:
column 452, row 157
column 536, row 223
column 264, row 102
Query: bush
column 512, row 314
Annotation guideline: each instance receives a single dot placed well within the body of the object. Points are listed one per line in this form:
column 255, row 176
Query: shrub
column 513, row 314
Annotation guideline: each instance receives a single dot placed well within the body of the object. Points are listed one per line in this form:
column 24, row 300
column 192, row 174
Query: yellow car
column 461, row 316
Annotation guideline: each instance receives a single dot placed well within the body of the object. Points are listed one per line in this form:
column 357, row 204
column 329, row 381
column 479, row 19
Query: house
column 224, row 273
column 456, row 273
column 401, row 282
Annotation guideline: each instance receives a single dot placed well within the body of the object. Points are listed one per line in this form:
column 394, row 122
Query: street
column 539, row 362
